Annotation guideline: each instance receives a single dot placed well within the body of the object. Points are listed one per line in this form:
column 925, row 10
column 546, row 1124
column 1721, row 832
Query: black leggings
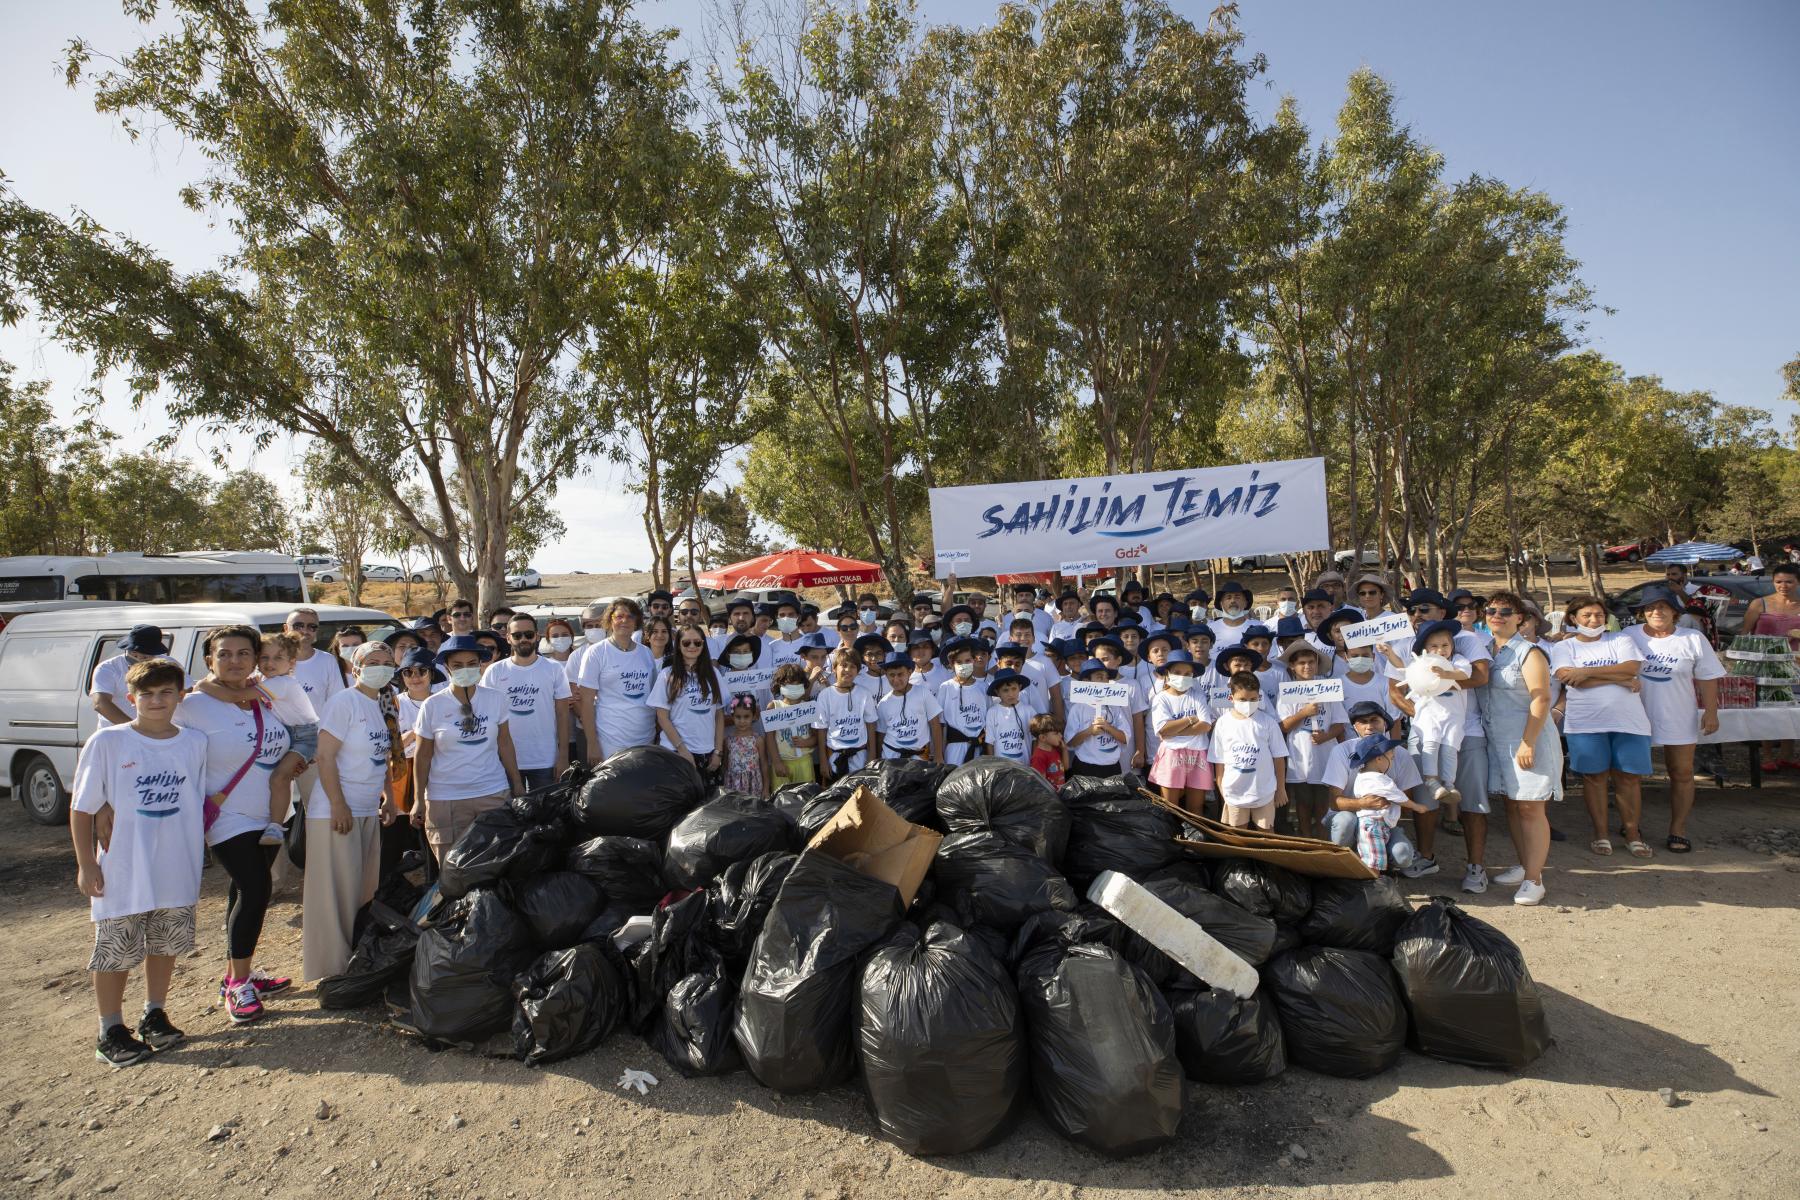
column 247, row 861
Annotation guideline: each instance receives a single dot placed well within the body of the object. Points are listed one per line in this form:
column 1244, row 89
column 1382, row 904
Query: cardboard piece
column 1303, row 856
column 876, row 840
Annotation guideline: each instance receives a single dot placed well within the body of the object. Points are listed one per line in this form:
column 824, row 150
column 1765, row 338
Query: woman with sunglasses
column 1679, row 664
column 1523, row 751
column 689, row 704
column 1372, row 596
column 419, row 678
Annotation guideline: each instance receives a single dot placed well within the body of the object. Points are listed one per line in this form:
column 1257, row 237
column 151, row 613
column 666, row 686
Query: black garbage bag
column 737, row 904
column 628, row 869
column 552, row 805
column 1226, row 1040
column 383, row 952
column 1089, row 924
column 797, row 1006
column 607, row 923
column 1356, row 914
column 1000, row 796
column 1471, row 997
column 990, row 881
column 943, row 1044
column 568, row 1001
column 1267, row 891
column 557, row 905
column 1340, row 1010
column 793, row 799
column 498, row 845
column 1187, row 870
column 1287, row 937
column 906, row 785
column 673, row 949
column 730, row 827
column 1113, row 827
column 640, row 792
column 1103, row 1063
column 694, row 1029
column 1247, row 935
column 463, row 971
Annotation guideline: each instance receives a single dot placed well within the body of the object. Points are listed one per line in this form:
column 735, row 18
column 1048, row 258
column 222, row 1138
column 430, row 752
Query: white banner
column 1388, row 627
column 1129, row 520
column 1314, row 690
column 789, row 716
column 1098, row 692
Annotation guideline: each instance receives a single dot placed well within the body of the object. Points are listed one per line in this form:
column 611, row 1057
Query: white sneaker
column 1418, row 868
column 1529, row 893
column 1447, row 797
column 1475, row 879
column 273, row 835
column 1437, row 789
column 1511, row 877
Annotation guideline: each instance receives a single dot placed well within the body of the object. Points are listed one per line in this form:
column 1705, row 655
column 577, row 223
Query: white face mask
column 898, row 644
column 792, row 691
column 1584, row 631
column 962, row 628
column 1286, row 608
column 1246, row 707
column 1180, row 683
column 1232, row 608
column 345, row 652
column 965, row 670
column 466, row 677
column 594, row 635
column 1360, row 666
column 376, row 675
column 787, row 624
column 869, row 616
column 741, row 659
column 560, row 645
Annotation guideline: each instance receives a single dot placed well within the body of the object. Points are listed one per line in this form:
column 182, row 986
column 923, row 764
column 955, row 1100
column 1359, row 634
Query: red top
column 1048, row 763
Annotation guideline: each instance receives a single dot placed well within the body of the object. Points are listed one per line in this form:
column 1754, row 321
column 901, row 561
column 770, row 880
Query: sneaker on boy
column 117, row 1048
column 157, row 1031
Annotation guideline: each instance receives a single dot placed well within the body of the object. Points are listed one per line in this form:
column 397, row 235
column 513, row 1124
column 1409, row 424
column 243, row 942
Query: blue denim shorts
column 1598, row 753
column 304, row 741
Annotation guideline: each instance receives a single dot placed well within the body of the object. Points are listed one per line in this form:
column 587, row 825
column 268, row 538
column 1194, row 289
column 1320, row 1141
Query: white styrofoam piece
column 633, row 931
column 1175, row 935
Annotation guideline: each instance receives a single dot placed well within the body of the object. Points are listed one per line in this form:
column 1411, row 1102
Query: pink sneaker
column 265, row 983
column 242, row 1002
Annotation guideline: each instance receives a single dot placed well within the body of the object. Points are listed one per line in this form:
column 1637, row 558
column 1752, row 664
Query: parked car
column 528, row 578
column 47, row 660
column 428, row 574
column 1555, row 558
column 371, row 573
column 1629, row 551
column 312, row 564
column 1736, row 592
column 1346, row 560
column 1265, row 562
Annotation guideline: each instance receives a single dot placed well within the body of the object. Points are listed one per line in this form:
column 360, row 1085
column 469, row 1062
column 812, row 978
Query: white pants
column 342, row 870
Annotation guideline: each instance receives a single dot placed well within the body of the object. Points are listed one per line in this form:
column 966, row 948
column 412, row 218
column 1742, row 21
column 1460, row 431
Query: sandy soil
column 1677, row 973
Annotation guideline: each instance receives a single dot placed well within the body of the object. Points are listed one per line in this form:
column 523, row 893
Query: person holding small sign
column 963, row 701
column 1179, row 714
column 1095, row 733
column 1311, row 727
column 1110, row 650
column 791, row 748
column 1250, row 757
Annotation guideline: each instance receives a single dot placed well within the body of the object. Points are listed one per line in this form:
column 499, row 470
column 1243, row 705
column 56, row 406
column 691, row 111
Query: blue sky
column 1669, row 132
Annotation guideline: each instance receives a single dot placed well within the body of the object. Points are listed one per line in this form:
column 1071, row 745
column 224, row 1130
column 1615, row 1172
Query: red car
column 1630, row 551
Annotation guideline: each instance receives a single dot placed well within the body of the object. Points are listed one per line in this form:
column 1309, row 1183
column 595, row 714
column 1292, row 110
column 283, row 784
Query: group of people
column 1218, row 705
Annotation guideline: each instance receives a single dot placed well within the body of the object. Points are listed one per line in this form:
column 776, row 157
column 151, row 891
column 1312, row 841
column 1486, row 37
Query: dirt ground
column 1677, row 972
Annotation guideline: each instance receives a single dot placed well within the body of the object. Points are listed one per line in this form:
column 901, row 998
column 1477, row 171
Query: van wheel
column 41, row 792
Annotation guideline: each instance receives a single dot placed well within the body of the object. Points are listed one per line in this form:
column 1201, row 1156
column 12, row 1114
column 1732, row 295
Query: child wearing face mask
column 1182, row 721
column 791, row 750
column 1249, row 757
column 963, row 701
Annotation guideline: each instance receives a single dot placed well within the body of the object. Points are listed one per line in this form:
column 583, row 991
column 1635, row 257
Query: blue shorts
column 1598, row 753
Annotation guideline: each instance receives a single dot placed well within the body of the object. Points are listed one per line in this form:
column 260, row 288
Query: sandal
column 1639, row 849
column 1600, row 846
column 1678, row 844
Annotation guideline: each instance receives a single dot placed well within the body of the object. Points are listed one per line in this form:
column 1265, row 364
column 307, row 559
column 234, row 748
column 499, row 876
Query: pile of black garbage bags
column 998, row 986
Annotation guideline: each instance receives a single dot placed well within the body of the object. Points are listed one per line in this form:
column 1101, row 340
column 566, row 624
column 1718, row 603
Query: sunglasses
column 530, row 636
column 1466, row 607
column 415, row 670
column 1500, row 612
column 1368, row 591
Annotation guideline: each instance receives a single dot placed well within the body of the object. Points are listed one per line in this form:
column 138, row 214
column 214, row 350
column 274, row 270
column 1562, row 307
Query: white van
column 47, row 660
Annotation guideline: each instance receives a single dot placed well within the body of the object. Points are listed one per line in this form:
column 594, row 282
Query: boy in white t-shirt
column 846, row 718
column 1249, row 757
column 1312, row 728
column 144, row 883
column 1438, row 720
column 908, row 719
column 1006, row 726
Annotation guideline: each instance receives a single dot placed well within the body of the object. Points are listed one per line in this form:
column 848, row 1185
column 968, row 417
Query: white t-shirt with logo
column 290, row 702
column 1305, row 758
column 319, row 676
column 355, row 720
column 230, row 739
column 156, row 789
column 845, row 717
column 1338, row 772
column 1007, row 730
column 532, row 692
column 109, row 680
column 904, row 720
column 1167, row 706
column 692, row 712
column 1102, row 749
column 620, row 681
column 1672, row 664
column 1606, row 707
column 465, row 763
column 1243, row 751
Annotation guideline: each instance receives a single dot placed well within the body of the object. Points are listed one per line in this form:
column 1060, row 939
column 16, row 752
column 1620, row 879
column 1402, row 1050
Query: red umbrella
column 790, row 569
column 1046, row 578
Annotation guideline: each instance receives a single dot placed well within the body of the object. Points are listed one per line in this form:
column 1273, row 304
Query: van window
column 31, row 587
column 151, row 588
column 43, row 663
